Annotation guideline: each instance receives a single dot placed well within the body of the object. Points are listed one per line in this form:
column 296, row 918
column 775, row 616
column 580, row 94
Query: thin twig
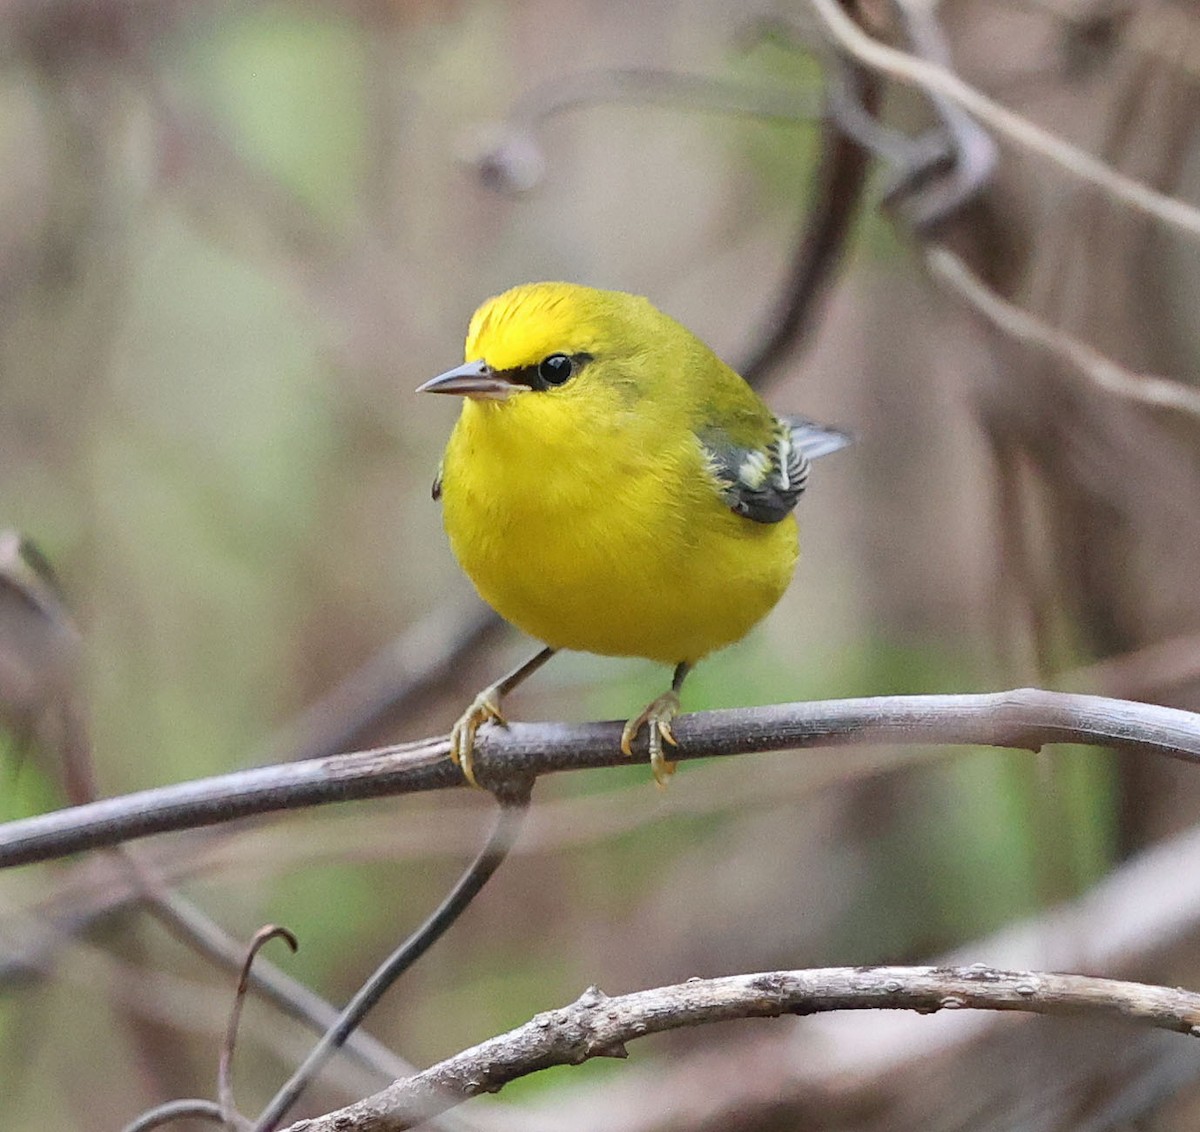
column 599, row 1026
column 1156, row 392
column 654, row 85
column 192, row 1109
column 513, row 808
column 264, row 935
column 1025, row 718
column 972, row 149
column 935, row 79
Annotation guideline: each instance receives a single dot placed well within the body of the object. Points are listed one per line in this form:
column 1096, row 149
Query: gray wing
column 764, row 484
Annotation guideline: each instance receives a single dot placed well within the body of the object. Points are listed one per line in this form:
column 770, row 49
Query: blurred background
column 234, row 237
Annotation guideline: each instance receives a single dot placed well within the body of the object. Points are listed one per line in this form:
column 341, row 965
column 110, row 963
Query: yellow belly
column 638, row 557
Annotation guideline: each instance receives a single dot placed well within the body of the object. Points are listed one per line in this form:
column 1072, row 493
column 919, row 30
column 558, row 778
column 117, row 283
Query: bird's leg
column 486, row 706
column 657, row 714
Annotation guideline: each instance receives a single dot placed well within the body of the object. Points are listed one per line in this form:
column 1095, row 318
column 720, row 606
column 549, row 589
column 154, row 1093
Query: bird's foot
column 657, row 715
column 485, row 707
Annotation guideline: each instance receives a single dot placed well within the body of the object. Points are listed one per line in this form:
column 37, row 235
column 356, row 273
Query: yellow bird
column 612, row 486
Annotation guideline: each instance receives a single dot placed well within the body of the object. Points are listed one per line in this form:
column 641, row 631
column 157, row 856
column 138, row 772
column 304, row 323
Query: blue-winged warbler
column 612, row 486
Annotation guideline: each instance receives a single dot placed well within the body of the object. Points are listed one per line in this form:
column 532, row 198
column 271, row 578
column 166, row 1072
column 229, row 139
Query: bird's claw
column 658, row 715
column 485, row 707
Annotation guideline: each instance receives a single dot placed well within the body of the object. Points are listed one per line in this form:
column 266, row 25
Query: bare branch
column 508, row 824
column 261, row 937
column 163, row 1114
column 599, row 1026
column 1133, row 921
column 972, row 148
column 934, row 79
column 1156, row 392
column 1026, row 718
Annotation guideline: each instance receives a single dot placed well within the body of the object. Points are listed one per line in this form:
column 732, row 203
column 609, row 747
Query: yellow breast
column 607, row 539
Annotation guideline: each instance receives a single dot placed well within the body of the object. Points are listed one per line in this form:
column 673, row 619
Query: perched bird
column 612, row 486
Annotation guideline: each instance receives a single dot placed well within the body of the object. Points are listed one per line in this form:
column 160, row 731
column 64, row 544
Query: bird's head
column 558, row 344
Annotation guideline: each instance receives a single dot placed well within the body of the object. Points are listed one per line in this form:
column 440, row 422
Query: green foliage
column 25, row 788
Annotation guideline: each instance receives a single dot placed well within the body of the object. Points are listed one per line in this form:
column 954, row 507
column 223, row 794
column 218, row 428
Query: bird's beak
column 475, row 379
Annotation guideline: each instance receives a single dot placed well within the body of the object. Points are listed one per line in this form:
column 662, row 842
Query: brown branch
column 837, row 185
column 510, row 815
column 225, row 1099
column 934, row 79
column 1132, row 922
column 599, row 1026
column 971, row 149
column 1101, row 370
column 162, row 1115
column 1025, row 719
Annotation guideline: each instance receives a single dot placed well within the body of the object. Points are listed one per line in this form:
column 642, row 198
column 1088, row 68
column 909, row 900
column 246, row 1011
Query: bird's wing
column 816, row 439
column 764, row 482
column 436, row 491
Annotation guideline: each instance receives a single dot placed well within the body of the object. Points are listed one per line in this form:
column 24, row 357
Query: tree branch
column 1139, row 918
column 599, row 1026
column 1103, row 371
column 1026, row 718
column 509, row 818
column 935, row 79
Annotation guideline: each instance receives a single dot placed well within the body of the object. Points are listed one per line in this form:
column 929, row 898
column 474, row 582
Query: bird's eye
column 555, row 369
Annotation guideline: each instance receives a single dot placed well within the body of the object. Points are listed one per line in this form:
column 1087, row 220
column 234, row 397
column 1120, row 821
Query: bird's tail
column 817, row 439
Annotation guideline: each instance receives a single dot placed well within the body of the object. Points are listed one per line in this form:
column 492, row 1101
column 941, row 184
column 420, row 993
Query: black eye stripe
column 533, row 375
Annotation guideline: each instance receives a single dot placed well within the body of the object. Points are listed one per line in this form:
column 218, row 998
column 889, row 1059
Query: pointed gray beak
column 475, row 379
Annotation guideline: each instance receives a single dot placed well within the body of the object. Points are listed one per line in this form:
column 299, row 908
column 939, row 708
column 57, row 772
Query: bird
column 612, row 486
